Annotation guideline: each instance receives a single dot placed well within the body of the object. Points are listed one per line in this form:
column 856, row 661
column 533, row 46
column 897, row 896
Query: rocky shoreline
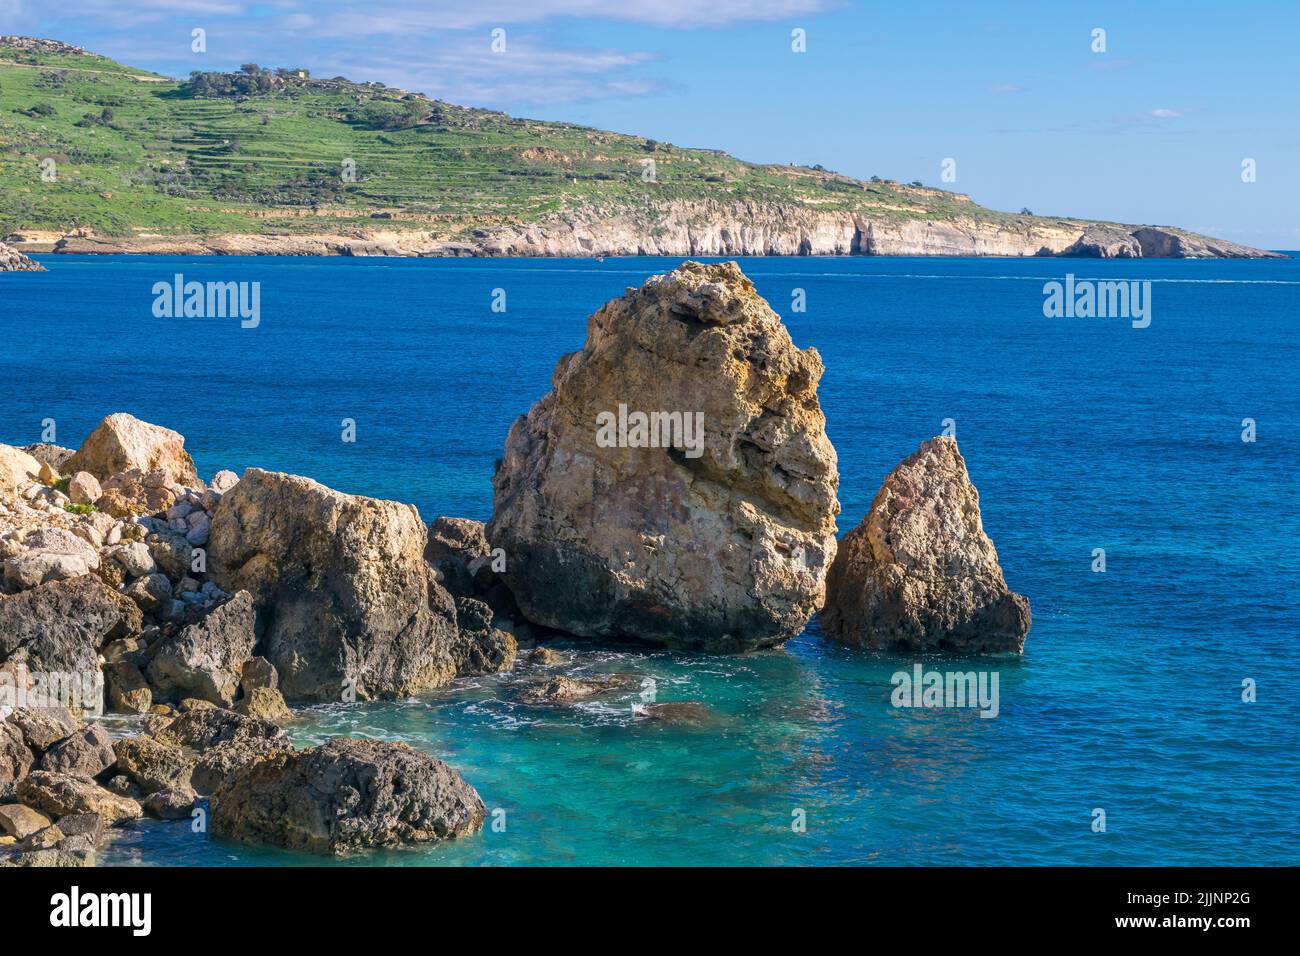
column 207, row 608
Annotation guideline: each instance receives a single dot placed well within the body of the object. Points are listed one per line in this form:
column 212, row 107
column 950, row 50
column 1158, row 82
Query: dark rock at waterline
column 719, row 541
column 344, row 597
column 346, row 795
column 205, row 660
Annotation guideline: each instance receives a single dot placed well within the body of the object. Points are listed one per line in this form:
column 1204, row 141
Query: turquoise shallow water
column 1079, row 434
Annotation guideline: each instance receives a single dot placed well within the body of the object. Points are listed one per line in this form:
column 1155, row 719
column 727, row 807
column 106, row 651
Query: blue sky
column 1153, row 130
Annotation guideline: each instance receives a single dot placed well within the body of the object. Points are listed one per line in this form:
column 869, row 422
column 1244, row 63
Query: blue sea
column 1079, row 433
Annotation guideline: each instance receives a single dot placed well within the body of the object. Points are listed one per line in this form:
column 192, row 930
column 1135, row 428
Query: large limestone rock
column 50, row 554
column 60, row 626
column 17, row 468
column 346, row 795
column 122, row 442
column 340, row 584
column 205, row 659
column 721, row 544
column 59, row 794
column 919, row 573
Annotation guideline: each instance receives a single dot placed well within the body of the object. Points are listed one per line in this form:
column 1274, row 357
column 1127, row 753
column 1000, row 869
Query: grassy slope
column 172, row 163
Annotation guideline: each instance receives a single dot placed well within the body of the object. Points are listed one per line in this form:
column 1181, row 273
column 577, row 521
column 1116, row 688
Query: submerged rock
column 679, row 713
column 711, row 528
column 919, row 573
column 561, row 691
column 346, row 795
column 341, row 586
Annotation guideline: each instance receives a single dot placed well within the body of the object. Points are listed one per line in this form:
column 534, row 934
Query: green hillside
column 264, row 151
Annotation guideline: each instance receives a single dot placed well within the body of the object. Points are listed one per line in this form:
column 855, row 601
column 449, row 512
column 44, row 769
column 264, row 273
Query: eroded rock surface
column 123, row 442
column 919, row 573
column 346, row 795
column 341, row 584
column 718, row 538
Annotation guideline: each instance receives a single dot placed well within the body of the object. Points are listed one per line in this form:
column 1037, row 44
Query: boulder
column 480, row 648
column 205, row 660
column 343, row 594
column 153, row 766
column 84, row 488
column 60, row 626
column 17, row 468
column 258, row 672
column 16, row 758
column 544, row 657
column 21, row 822
column 152, row 593
column 86, row 753
column 122, row 442
column 50, row 554
column 204, row 729
column 130, row 493
column 919, row 573
column 43, row 727
column 125, row 688
column 264, row 703
column 176, row 803
column 56, row 794
column 707, row 526
column 88, row 825
column 55, row 455
column 458, row 550
column 346, row 795
column 219, row 762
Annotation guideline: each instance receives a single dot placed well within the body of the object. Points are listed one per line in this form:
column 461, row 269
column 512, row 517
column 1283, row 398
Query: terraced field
column 133, row 151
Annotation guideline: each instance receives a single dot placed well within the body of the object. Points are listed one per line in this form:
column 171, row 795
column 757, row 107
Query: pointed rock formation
column 919, row 573
column 676, row 484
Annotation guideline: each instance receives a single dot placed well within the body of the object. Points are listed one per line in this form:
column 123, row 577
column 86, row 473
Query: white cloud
column 471, row 74
column 1163, row 113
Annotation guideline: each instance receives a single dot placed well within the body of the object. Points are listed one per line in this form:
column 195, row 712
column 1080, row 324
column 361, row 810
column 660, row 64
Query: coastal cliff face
column 702, row 229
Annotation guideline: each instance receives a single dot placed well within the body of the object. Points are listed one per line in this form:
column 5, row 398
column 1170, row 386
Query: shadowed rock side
column 919, row 572
column 346, row 795
column 720, row 545
column 340, row 584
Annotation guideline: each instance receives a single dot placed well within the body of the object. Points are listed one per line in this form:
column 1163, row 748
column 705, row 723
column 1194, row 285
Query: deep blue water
column 1079, row 433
